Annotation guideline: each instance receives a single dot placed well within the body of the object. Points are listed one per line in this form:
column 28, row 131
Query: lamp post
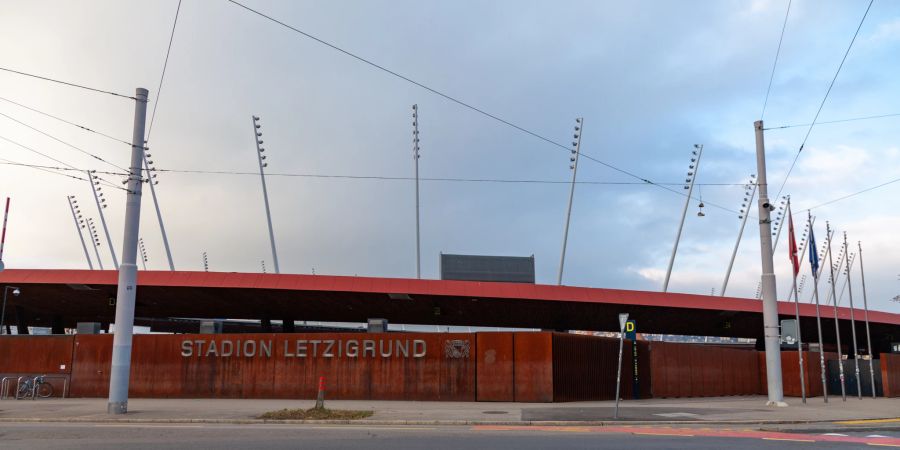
column 749, row 194
column 151, row 180
column 15, row 291
column 693, row 169
column 416, row 156
column 101, row 205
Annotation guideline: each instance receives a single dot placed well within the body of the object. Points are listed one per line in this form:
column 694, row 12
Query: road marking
column 788, row 439
column 861, row 422
column 144, row 425
column 882, row 445
column 345, row 427
column 836, row 434
column 663, row 434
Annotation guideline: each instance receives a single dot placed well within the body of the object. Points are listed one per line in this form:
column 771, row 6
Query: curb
column 600, row 423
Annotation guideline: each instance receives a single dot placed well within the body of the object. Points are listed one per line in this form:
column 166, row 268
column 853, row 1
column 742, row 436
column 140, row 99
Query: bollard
column 320, row 399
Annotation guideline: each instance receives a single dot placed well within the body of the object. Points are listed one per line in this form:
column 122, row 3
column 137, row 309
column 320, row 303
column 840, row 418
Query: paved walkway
column 721, row 410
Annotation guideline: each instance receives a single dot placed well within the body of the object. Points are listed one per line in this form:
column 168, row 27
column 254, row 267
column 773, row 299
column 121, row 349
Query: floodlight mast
column 693, row 170
column 257, row 137
column 79, row 224
column 573, row 166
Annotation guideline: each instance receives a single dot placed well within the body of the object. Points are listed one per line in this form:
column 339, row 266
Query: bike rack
column 4, row 385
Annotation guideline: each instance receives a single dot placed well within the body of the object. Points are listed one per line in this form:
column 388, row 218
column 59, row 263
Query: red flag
column 795, row 262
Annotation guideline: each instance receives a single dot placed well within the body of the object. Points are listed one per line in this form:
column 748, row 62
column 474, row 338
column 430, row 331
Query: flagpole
column 814, row 266
column 866, row 309
column 853, row 323
column 837, row 328
column 795, row 267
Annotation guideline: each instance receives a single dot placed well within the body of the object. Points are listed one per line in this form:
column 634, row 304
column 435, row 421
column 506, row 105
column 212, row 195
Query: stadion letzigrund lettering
column 304, row 348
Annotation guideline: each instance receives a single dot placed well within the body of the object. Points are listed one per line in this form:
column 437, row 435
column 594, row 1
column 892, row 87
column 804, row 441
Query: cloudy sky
column 651, row 79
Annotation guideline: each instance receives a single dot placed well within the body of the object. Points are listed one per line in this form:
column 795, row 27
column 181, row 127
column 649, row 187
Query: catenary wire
column 775, row 64
column 835, row 200
column 443, row 95
column 91, row 130
column 41, row 168
column 825, row 98
column 852, row 119
column 69, row 166
column 163, row 76
column 6, row 69
column 62, row 141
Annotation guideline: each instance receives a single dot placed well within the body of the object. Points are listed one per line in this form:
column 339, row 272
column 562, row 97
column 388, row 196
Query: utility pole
column 573, row 166
column 769, row 294
column 257, row 136
column 866, row 308
column 853, row 324
column 79, row 224
column 152, row 182
column 745, row 213
column 101, row 204
column 415, row 115
column 127, row 289
column 837, row 328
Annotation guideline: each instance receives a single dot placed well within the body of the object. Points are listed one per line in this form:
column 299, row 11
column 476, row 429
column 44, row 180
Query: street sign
column 623, row 317
column 631, row 330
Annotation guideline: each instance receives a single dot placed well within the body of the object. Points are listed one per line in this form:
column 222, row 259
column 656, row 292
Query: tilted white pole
column 862, row 273
column 769, row 294
column 687, row 202
column 416, row 159
column 837, row 328
column 162, row 227
column 95, row 240
column 853, row 324
column 262, row 175
column 112, row 250
column 738, row 243
column 127, row 289
column 576, row 152
column 78, row 226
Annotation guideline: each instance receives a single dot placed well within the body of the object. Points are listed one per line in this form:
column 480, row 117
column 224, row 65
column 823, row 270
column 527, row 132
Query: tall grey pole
column 416, row 159
column 623, row 319
column 853, row 323
column 576, row 152
column 837, row 328
column 769, row 294
column 862, row 274
column 815, row 273
column 112, row 250
column 127, row 289
column 737, row 244
column 840, row 262
column 78, row 227
column 162, row 227
column 794, row 271
column 262, row 176
column 687, row 202
column 96, row 241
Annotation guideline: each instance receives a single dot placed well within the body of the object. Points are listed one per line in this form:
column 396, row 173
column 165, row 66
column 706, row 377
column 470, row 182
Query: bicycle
column 32, row 387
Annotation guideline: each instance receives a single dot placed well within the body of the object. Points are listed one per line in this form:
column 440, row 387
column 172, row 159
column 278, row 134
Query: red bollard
column 320, row 399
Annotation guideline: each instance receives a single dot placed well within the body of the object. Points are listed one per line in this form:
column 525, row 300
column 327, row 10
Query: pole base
column 777, row 404
column 117, row 407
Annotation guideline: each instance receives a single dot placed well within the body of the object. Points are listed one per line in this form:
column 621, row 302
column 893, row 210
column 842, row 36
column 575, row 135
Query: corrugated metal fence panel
column 494, row 369
column 690, row 370
column 25, row 354
column 584, row 368
column 533, row 359
column 446, row 372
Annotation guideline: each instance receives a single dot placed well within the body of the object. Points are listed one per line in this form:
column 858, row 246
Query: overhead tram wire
column 69, row 169
column 895, row 180
column 448, row 97
column 163, row 76
column 42, row 168
column 85, row 128
column 62, row 141
column 775, row 64
column 56, row 160
column 852, row 119
column 6, row 69
column 825, row 98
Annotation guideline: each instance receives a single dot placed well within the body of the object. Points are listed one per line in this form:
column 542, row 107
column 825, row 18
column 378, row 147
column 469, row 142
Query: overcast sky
column 651, row 79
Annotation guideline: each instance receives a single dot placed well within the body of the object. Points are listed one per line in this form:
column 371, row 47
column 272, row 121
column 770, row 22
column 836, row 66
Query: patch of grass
column 316, row 414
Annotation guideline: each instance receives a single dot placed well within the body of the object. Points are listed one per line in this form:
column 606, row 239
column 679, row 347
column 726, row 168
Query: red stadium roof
column 83, row 295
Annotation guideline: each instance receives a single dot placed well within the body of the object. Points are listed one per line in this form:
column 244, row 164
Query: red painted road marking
column 698, row 432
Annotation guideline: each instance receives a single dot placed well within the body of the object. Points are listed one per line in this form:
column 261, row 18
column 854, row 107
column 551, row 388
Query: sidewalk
column 706, row 411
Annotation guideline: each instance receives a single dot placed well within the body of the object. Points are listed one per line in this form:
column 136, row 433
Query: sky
column 650, row 79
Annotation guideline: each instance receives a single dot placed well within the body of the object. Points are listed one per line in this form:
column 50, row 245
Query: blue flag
column 813, row 255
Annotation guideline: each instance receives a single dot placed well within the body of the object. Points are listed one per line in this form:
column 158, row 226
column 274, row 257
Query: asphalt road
column 222, row 437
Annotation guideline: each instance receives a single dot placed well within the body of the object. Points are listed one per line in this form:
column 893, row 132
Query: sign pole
column 623, row 318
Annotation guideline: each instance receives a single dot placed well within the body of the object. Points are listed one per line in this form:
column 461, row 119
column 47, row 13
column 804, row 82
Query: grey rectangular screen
column 510, row 269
